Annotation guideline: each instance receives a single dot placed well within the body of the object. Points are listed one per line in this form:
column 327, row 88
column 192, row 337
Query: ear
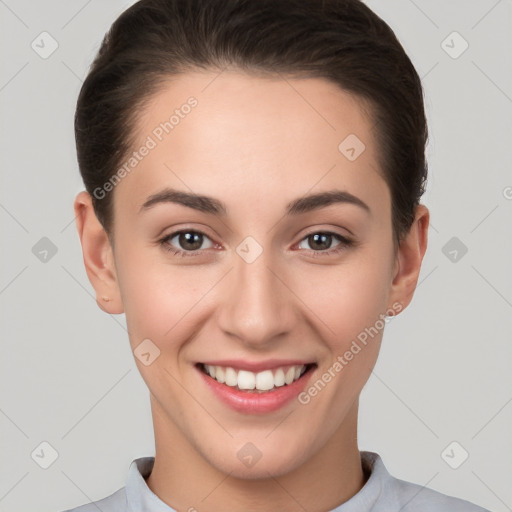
column 408, row 259
column 98, row 255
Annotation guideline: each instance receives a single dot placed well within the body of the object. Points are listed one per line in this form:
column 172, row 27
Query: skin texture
column 255, row 144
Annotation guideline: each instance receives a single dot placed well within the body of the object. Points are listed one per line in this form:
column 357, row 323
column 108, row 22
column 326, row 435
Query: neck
column 184, row 480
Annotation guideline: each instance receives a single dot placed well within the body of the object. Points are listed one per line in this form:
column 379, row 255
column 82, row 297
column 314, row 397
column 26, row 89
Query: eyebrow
column 215, row 207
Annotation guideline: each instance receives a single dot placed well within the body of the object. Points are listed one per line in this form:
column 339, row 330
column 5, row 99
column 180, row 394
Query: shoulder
column 413, row 497
column 116, row 502
column 134, row 496
column 392, row 493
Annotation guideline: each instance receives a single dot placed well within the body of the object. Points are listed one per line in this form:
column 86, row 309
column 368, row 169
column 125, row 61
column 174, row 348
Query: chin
column 258, row 460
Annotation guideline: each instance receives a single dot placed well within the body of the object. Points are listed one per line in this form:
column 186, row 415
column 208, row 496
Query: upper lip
column 256, row 366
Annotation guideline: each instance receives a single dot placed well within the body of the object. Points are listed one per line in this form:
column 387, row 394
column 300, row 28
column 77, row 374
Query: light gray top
column 381, row 493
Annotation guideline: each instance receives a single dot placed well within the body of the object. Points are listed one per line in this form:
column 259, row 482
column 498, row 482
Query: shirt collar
column 140, row 497
column 369, row 495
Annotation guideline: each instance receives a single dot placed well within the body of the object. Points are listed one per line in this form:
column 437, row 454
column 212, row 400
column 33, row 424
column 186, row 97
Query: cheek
column 348, row 298
column 350, row 303
column 155, row 296
column 159, row 302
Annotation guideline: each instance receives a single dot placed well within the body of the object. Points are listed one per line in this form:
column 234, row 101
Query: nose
column 258, row 307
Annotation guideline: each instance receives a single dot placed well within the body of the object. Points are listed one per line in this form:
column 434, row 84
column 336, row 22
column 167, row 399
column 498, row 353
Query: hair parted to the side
column 340, row 40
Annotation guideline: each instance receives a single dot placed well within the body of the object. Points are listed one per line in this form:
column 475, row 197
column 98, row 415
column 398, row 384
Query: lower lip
column 256, row 403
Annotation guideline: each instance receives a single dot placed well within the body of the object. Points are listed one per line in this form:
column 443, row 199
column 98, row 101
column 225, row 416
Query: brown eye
column 190, row 240
column 323, row 242
column 320, row 241
column 186, row 241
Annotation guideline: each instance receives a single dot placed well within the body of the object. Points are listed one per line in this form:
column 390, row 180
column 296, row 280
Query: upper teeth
column 262, row 381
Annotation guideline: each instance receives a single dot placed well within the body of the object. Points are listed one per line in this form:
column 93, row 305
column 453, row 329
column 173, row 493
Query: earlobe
column 409, row 258
column 98, row 255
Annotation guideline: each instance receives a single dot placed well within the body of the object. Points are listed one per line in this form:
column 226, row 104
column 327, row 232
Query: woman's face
column 267, row 279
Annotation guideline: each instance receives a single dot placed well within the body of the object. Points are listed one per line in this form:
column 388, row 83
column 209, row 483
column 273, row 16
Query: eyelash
column 344, row 244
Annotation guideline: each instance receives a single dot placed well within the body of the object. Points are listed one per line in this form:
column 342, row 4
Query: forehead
column 244, row 138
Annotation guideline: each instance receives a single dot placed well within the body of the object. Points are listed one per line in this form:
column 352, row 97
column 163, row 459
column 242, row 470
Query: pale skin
column 254, row 144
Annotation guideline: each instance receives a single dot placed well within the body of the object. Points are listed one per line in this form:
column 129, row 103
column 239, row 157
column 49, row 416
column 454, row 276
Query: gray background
column 67, row 375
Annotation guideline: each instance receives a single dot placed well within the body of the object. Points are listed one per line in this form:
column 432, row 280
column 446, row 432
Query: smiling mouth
column 256, row 382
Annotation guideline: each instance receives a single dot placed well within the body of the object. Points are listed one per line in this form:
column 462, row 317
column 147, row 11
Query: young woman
column 254, row 172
